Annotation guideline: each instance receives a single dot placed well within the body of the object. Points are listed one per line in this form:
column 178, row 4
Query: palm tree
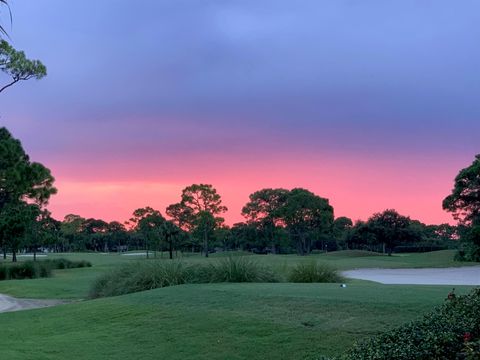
column 2, row 29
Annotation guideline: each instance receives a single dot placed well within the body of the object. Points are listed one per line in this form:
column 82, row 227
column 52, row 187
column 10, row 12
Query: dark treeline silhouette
column 276, row 220
column 301, row 222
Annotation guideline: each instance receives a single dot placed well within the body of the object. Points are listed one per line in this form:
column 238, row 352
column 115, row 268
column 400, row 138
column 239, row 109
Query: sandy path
column 445, row 276
column 8, row 303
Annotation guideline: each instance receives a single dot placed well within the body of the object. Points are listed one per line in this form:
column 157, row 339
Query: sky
column 372, row 104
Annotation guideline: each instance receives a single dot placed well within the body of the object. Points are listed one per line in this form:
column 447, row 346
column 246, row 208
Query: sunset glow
column 250, row 100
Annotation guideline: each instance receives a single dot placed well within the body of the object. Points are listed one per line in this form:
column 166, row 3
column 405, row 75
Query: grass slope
column 75, row 283
column 216, row 321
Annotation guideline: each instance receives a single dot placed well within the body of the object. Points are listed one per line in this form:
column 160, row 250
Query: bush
column 37, row 269
column 448, row 332
column 149, row 275
column 3, row 272
column 62, row 263
column 314, row 272
column 25, row 270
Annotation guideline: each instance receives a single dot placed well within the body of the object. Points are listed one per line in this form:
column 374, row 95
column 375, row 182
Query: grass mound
column 141, row 276
column 314, row 272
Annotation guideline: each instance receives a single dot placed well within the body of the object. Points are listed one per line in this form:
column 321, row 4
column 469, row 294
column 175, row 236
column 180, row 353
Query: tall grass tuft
column 149, row 275
column 140, row 276
column 235, row 269
column 314, row 272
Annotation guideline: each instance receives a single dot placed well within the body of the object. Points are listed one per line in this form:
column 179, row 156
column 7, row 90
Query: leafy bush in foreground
column 149, row 275
column 314, row 272
column 451, row 331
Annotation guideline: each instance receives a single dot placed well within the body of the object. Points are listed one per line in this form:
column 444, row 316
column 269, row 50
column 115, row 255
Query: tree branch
column 10, row 84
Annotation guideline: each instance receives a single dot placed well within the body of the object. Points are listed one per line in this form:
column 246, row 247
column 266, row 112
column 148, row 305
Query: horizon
column 371, row 112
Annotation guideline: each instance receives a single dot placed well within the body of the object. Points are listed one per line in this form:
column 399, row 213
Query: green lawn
column 216, row 321
column 75, row 283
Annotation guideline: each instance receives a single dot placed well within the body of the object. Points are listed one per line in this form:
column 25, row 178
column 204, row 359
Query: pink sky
column 356, row 188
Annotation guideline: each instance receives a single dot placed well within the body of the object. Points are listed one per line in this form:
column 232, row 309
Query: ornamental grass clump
column 235, row 269
column 314, row 272
column 148, row 275
column 140, row 276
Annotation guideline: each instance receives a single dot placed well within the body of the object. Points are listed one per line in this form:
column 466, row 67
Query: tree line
column 276, row 221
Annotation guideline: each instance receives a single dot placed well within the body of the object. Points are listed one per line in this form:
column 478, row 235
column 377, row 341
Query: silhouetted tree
column 199, row 211
column 390, row 228
column 264, row 212
column 464, row 204
column 149, row 223
column 306, row 215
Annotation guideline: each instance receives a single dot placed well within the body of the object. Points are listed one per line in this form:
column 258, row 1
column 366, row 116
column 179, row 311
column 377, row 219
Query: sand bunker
column 445, row 276
column 8, row 303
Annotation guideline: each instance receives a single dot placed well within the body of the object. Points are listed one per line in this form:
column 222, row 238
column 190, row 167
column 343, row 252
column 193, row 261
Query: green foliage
column 198, row 212
column 314, row 272
column 62, row 263
column 25, row 270
column 16, row 65
column 464, row 201
column 37, row 269
column 305, row 216
column 438, row 335
column 464, row 204
column 470, row 245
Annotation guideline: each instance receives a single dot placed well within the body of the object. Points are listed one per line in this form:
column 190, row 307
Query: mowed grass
column 76, row 283
column 216, row 321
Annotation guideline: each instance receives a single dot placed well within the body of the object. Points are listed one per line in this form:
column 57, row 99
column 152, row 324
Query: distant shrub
column 354, row 253
column 418, row 248
column 314, row 272
column 451, row 331
column 25, row 270
column 37, row 269
column 62, row 263
column 3, row 272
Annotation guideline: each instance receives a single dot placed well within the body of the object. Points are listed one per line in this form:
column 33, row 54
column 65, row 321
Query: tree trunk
column 4, row 253
column 14, row 256
column 34, row 254
column 170, row 249
column 205, row 242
